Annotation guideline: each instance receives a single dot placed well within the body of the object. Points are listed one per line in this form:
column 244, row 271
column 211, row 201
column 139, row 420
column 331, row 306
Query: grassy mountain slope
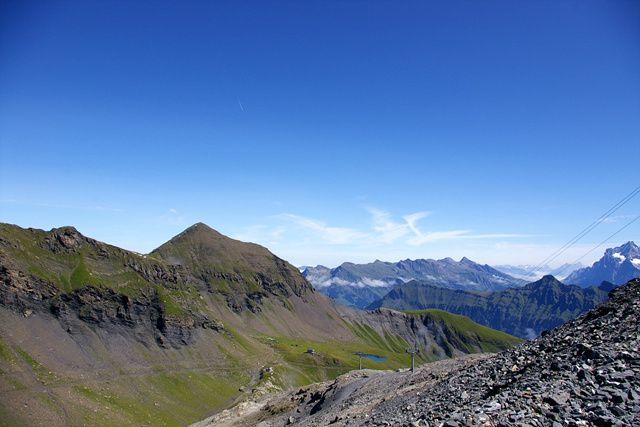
column 523, row 312
column 91, row 334
column 232, row 267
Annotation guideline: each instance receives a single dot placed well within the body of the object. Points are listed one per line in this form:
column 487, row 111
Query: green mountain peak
column 230, row 266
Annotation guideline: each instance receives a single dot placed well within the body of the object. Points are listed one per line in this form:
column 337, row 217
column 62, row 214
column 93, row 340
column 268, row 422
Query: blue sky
column 327, row 131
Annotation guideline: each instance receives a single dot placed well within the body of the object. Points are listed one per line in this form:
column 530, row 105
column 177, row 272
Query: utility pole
column 412, row 352
column 360, row 354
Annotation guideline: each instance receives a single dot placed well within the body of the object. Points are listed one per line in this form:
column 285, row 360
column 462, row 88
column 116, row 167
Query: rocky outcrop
column 65, row 239
column 168, row 274
column 21, row 292
column 144, row 316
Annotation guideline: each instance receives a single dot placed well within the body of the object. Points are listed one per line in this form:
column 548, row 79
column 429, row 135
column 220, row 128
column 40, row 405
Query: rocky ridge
column 618, row 265
column 583, row 373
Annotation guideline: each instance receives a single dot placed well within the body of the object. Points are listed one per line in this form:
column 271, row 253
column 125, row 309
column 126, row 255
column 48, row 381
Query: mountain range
column 92, row 334
column 359, row 285
column 524, row 312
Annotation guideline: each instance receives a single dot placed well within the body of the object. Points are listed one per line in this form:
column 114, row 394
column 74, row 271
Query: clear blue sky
column 327, row 131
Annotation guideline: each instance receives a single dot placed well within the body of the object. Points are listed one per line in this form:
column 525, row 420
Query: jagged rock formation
column 583, row 373
column 524, row 312
column 617, row 265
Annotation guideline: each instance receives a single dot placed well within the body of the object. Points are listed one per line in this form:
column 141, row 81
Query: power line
column 583, row 233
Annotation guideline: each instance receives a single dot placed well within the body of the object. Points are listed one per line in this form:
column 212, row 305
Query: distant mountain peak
column 618, row 265
column 627, row 251
column 530, row 273
column 467, row 261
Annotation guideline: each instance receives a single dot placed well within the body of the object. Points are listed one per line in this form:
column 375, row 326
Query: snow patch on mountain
column 620, row 257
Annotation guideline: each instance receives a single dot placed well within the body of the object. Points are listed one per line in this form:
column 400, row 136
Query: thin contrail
column 240, row 104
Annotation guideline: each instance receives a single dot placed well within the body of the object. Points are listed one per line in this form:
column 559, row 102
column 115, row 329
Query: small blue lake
column 374, row 357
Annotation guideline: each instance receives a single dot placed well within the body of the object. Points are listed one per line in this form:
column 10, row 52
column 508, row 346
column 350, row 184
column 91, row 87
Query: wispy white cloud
column 434, row 236
column 613, row 219
column 277, row 232
column 384, row 230
column 301, row 239
column 324, row 280
column 413, row 218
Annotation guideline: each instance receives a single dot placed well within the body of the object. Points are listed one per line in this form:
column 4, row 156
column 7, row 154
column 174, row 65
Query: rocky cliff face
column 583, row 373
column 617, row 265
